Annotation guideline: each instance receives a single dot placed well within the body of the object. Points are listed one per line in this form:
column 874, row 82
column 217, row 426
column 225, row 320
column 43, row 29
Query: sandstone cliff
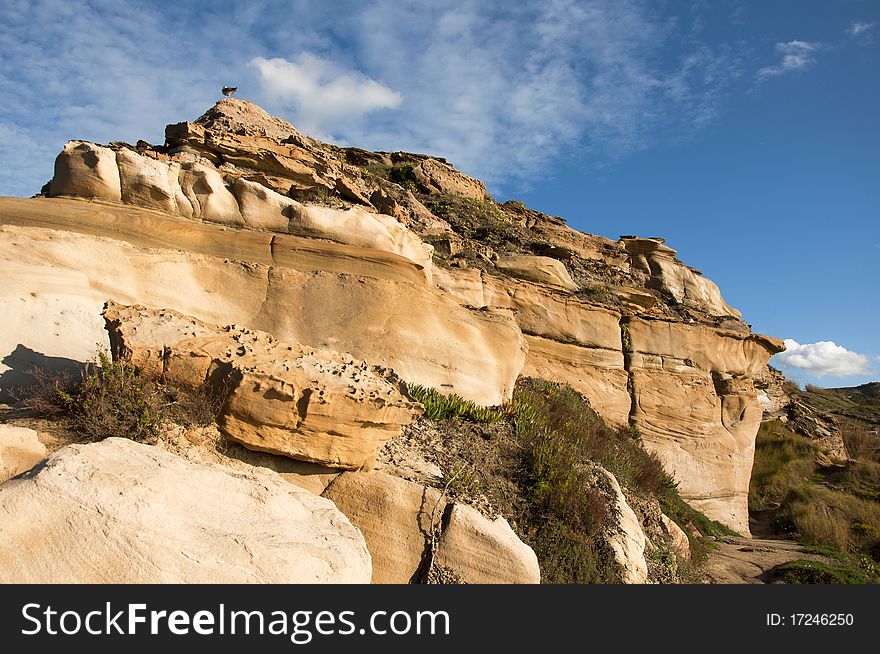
column 395, row 260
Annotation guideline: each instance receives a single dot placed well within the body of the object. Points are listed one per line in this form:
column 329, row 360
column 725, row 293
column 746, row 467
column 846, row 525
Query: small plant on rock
column 441, row 407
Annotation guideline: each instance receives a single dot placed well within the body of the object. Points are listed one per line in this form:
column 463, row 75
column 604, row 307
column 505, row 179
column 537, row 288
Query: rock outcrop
column 283, row 398
column 477, row 550
column 123, row 512
column 623, row 534
column 394, row 515
column 395, row 259
column 542, row 270
column 664, row 272
column 695, row 404
column 62, row 259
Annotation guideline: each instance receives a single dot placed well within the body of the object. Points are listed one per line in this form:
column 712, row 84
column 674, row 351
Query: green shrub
column 558, row 419
column 403, row 174
column 442, row 407
column 783, row 460
column 834, row 507
column 481, row 220
column 540, row 468
column 114, row 398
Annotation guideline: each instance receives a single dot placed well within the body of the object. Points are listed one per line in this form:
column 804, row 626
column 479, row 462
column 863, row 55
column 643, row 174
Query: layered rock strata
column 62, row 259
column 695, row 404
column 239, row 218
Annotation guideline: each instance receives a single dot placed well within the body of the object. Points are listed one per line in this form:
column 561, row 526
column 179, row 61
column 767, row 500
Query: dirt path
column 747, row 560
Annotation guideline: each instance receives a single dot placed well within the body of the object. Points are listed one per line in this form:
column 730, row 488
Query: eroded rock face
column 569, row 341
column 358, row 279
column 361, row 228
column 288, row 399
column 697, row 408
column 678, row 540
column 439, row 177
column 151, row 183
column 20, row 450
column 688, row 286
column 542, row 270
column 596, row 373
column 208, row 196
column 86, row 170
column 62, row 259
column 623, row 534
column 122, row 512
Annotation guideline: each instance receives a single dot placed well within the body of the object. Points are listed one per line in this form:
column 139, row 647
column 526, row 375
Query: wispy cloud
column 501, row 89
column 320, row 92
column 823, row 358
column 796, row 55
column 860, row 27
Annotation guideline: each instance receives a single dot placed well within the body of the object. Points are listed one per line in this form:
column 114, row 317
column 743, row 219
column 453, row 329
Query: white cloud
column 860, row 27
column 823, row 358
column 322, row 94
column 796, row 55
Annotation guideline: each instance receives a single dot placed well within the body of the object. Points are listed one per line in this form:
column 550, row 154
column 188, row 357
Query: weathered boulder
column 623, row 533
column 122, row 512
column 394, row 515
column 482, row 551
column 397, row 518
column 20, row 450
column 677, row 539
column 541, row 270
column 86, row 170
column 288, row 399
column 386, row 204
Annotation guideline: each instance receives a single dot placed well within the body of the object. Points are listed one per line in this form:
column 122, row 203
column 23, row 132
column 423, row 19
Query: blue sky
column 745, row 133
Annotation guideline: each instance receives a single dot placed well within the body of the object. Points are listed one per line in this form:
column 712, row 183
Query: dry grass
column 834, row 507
column 860, row 441
column 114, row 398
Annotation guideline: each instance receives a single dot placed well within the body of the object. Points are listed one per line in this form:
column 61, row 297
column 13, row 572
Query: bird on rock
column 229, row 90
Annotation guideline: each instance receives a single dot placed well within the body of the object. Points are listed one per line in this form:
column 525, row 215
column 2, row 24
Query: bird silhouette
column 229, row 90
